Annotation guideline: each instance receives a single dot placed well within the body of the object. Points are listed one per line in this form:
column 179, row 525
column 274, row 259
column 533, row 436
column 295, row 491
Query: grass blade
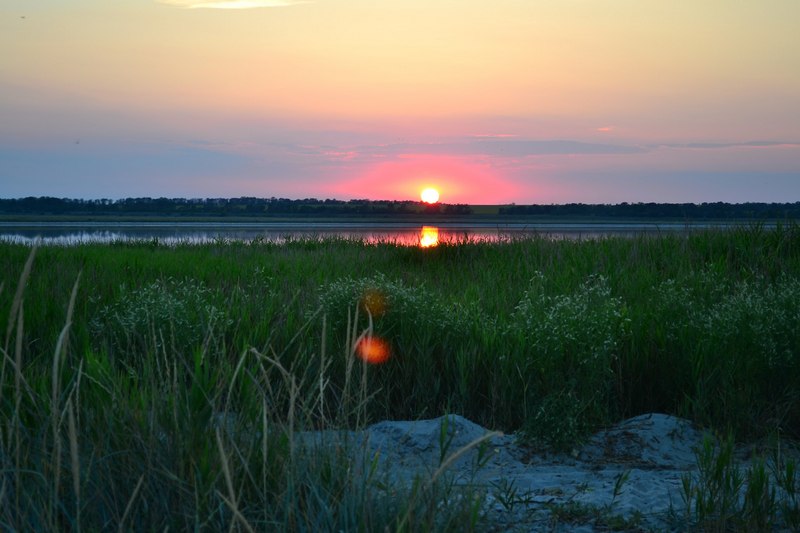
column 15, row 304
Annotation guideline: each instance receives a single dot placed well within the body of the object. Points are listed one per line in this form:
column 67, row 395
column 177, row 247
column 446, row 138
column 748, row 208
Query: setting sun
column 429, row 195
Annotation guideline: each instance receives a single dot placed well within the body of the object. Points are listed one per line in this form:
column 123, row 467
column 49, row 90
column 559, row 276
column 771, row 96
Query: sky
column 491, row 102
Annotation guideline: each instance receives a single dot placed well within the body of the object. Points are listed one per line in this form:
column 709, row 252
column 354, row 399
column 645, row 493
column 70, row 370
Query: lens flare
column 428, row 236
column 373, row 350
column 374, row 302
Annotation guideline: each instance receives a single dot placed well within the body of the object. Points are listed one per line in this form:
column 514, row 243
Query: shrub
column 737, row 344
column 166, row 314
column 425, row 337
column 572, row 343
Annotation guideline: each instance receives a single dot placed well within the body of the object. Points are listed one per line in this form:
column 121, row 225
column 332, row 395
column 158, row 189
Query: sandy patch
column 651, row 451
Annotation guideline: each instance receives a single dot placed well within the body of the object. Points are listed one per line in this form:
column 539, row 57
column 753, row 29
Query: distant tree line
column 266, row 207
column 686, row 211
column 243, row 206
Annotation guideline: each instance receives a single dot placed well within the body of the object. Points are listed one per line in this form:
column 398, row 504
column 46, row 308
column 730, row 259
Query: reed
column 116, row 381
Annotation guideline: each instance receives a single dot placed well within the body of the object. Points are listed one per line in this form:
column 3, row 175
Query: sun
column 429, row 195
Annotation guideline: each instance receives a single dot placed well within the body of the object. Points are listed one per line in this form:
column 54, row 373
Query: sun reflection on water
column 428, row 236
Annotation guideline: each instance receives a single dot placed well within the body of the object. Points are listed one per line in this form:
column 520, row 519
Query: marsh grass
column 724, row 495
column 188, row 443
column 167, row 387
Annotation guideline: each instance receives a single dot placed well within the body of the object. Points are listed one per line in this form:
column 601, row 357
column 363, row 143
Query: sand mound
column 425, row 444
column 652, row 450
column 649, row 452
column 651, row 441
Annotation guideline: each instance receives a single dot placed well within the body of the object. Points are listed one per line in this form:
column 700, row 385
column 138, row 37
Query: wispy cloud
column 500, row 150
column 231, row 4
column 504, row 147
column 714, row 146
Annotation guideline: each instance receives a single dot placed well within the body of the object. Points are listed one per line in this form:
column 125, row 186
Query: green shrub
column 572, row 343
column 738, row 342
column 425, row 335
column 164, row 315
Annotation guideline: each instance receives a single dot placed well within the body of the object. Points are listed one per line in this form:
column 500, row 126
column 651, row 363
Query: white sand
column 655, row 450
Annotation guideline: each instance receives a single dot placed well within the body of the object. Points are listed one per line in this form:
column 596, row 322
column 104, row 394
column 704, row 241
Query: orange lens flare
column 428, row 236
column 373, row 350
column 374, row 301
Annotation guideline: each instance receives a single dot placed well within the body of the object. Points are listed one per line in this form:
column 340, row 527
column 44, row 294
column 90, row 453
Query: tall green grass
column 159, row 430
column 702, row 325
column 176, row 377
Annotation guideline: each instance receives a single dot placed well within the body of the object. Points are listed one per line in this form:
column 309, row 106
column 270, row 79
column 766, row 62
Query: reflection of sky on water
column 68, row 234
column 401, row 237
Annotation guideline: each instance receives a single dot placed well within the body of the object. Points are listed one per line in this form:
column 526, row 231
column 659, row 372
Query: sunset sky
column 525, row 101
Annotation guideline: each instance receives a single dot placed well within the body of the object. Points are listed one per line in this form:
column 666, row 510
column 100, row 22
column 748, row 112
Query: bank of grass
column 167, row 390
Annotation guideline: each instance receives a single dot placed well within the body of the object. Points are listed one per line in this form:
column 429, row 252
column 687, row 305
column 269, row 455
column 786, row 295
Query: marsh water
column 71, row 233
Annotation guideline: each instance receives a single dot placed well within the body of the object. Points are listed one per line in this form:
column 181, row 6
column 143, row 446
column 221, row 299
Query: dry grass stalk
column 129, row 506
column 442, row 468
column 17, row 302
column 264, row 450
column 291, row 381
column 18, row 402
column 55, row 411
column 322, row 382
column 75, row 462
column 231, row 500
column 233, row 380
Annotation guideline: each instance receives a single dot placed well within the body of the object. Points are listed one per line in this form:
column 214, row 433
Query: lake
column 71, row 233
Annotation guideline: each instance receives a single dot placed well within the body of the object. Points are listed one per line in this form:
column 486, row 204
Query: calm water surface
column 69, row 233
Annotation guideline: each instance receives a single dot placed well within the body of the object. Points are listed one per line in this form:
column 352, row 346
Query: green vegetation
column 146, row 386
column 723, row 497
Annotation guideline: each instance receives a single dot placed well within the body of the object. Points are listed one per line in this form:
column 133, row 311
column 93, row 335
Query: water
column 72, row 233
